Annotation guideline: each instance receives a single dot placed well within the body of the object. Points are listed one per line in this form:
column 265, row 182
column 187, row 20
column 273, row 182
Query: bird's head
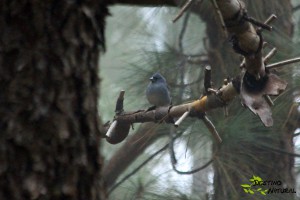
column 157, row 77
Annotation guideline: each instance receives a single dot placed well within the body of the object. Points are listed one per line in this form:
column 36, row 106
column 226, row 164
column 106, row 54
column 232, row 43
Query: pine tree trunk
column 49, row 135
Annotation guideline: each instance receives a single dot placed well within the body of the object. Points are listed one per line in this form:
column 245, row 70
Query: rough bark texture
column 49, row 140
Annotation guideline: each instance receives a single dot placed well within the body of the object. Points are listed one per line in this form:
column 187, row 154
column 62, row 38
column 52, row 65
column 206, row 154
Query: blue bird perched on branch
column 157, row 91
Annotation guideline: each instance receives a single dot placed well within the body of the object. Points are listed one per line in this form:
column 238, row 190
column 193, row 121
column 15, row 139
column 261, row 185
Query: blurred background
column 142, row 41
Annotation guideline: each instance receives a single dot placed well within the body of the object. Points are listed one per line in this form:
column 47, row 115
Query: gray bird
column 157, row 91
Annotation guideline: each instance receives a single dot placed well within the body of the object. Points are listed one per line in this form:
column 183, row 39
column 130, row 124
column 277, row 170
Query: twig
column 210, row 126
column 266, row 23
column 119, row 104
column 137, row 169
column 259, row 24
column 111, row 128
column 178, row 122
column 182, row 10
column 292, row 108
column 220, row 17
column 118, row 110
column 171, row 146
column 172, row 155
column 270, row 55
column 207, row 78
column 296, row 134
column 283, row 63
column 266, row 59
column 194, row 170
column 182, row 32
column 270, row 19
column 269, row 100
column 296, row 8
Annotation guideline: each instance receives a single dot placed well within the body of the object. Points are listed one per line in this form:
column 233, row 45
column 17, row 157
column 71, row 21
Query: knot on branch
column 241, row 17
column 237, row 19
column 252, row 84
column 238, row 49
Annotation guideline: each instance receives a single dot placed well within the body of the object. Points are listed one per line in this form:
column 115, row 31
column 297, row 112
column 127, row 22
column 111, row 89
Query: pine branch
column 197, row 108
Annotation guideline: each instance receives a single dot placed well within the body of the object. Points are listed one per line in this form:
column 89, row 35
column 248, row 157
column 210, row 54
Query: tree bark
column 49, row 90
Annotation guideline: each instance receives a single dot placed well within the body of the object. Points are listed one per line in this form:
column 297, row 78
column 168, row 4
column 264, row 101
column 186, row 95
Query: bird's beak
column 151, row 79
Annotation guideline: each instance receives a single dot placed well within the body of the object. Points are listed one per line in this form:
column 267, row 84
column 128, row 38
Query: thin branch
column 283, row 63
column 290, row 113
column 171, row 146
column 119, row 104
column 269, row 21
column 296, row 8
column 183, row 61
column 180, row 120
column 194, row 170
column 173, row 159
column 296, row 134
column 270, row 55
column 207, row 79
column 258, row 23
column 269, row 100
column 137, row 169
column 111, row 129
column 210, row 126
column 183, row 9
column 219, row 13
column 182, row 32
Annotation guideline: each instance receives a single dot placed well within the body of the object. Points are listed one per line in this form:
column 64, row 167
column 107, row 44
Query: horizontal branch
column 218, row 98
column 196, row 108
